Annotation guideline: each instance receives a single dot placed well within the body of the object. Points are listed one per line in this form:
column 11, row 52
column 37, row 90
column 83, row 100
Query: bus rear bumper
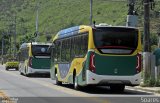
column 38, row 71
column 94, row 79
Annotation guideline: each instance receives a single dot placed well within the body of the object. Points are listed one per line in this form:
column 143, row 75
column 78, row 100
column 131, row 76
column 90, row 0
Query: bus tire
column 117, row 88
column 6, row 68
column 28, row 75
column 75, row 82
column 21, row 73
column 25, row 72
column 58, row 82
column 17, row 69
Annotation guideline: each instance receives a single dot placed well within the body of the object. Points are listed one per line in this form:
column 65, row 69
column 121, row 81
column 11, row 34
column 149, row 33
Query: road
column 43, row 90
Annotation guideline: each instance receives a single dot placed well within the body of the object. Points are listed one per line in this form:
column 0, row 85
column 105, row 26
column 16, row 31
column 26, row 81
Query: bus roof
column 76, row 29
column 68, row 32
column 115, row 26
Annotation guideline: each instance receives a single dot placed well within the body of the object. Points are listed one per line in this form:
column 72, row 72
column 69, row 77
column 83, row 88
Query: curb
column 149, row 89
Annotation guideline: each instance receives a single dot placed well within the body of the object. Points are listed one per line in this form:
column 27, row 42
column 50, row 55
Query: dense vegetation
column 55, row 15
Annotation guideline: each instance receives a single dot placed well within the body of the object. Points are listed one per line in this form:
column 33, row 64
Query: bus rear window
column 40, row 50
column 115, row 40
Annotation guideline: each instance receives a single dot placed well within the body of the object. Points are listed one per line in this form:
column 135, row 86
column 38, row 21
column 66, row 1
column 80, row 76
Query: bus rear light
column 138, row 67
column 92, row 63
column 30, row 62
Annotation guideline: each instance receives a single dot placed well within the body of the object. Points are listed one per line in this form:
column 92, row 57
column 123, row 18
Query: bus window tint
column 40, row 50
column 23, row 54
column 69, row 48
column 116, row 40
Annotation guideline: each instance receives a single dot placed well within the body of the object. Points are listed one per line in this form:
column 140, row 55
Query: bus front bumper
column 94, row 79
column 38, row 71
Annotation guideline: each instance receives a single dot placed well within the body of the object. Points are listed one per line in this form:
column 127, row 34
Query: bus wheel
column 28, row 75
column 57, row 82
column 21, row 73
column 17, row 69
column 6, row 68
column 75, row 83
column 117, row 88
column 25, row 72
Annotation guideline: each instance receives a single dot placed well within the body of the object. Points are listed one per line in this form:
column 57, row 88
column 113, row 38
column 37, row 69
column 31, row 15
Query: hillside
column 55, row 15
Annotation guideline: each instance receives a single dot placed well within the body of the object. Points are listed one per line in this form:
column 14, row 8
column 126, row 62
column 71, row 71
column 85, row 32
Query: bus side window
column 57, row 50
column 81, row 46
column 52, row 52
column 75, row 47
column 78, row 46
column 63, row 52
column 59, row 46
column 72, row 48
column 23, row 54
column 20, row 56
column 27, row 53
column 68, row 47
column 84, row 44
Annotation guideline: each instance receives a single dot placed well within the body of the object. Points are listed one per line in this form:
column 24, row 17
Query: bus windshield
column 115, row 40
column 40, row 50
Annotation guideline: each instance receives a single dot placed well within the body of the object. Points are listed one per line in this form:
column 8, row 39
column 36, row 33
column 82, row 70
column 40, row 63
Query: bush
column 151, row 82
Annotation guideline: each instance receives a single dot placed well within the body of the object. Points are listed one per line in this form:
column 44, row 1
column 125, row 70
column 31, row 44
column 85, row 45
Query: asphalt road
column 39, row 89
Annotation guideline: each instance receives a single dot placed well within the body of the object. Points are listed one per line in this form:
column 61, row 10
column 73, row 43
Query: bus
column 34, row 58
column 99, row 55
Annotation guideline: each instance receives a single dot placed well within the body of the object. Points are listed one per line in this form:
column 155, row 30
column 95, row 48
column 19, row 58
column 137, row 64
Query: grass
column 55, row 15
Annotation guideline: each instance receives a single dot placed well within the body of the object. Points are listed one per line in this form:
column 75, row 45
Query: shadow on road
column 106, row 90
column 39, row 76
column 12, row 69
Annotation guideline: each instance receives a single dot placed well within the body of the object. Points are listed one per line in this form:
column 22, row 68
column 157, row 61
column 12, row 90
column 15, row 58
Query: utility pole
column 37, row 17
column 146, row 41
column 2, row 47
column 147, row 47
column 15, row 33
column 132, row 17
column 91, row 14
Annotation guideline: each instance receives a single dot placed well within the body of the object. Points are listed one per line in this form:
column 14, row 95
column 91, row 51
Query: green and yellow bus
column 98, row 55
column 34, row 58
